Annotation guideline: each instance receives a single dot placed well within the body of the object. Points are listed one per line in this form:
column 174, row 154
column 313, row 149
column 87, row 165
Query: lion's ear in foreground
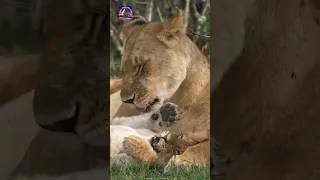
column 173, row 28
column 129, row 25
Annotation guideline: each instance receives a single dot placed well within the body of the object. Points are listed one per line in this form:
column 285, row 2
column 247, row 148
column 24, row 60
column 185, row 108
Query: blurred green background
column 197, row 13
column 18, row 35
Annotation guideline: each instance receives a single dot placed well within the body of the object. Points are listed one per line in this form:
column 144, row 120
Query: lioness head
column 155, row 60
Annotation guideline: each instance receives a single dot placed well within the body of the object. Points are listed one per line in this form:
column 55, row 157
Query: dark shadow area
column 53, row 54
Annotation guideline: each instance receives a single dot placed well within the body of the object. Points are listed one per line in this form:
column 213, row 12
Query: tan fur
column 266, row 109
column 160, row 61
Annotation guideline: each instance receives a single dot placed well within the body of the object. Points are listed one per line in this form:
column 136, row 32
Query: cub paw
column 169, row 113
column 133, row 145
column 139, row 149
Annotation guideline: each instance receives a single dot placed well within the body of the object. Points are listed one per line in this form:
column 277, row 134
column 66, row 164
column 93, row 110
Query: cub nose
column 126, row 98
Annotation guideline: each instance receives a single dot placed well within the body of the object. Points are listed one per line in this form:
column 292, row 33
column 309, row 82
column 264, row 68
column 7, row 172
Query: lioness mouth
column 149, row 107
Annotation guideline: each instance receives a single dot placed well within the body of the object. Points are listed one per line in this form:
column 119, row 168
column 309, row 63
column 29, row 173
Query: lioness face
column 153, row 63
column 151, row 74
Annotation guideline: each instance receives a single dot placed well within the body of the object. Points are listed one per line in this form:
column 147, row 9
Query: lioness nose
column 130, row 101
column 126, row 98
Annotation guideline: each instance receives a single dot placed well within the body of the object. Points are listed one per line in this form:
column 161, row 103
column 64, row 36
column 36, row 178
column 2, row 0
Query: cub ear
column 173, row 28
column 129, row 25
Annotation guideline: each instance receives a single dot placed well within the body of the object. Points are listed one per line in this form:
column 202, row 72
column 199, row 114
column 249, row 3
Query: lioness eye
column 181, row 136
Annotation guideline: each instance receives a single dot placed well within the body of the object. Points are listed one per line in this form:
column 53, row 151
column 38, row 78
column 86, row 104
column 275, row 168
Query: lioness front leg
column 198, row 154
column 160, row 118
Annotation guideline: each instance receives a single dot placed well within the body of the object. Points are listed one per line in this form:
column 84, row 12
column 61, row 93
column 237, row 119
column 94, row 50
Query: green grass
column 156, row 173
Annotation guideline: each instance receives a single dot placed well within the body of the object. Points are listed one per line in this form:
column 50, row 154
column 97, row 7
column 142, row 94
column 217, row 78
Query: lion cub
column 159, row 150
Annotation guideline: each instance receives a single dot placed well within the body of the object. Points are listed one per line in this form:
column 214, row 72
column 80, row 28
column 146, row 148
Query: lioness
column 160, row 63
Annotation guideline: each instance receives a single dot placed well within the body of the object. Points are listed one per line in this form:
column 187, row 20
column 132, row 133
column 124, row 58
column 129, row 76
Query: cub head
column 155, row 60
column 169, row 144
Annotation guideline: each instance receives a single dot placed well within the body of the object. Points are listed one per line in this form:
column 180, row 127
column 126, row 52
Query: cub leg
column 198, row 154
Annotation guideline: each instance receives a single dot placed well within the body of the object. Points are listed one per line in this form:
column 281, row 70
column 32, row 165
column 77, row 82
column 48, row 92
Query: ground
column 156, row 173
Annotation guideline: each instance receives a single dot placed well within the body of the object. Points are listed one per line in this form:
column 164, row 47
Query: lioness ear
column 173, row 28
column 176, row 21
column 129, row 25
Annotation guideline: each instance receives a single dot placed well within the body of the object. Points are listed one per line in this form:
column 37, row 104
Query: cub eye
column 181, row 136
column 178, row 152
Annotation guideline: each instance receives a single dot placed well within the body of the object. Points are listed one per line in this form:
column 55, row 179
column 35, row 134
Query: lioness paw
column 169, row 113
